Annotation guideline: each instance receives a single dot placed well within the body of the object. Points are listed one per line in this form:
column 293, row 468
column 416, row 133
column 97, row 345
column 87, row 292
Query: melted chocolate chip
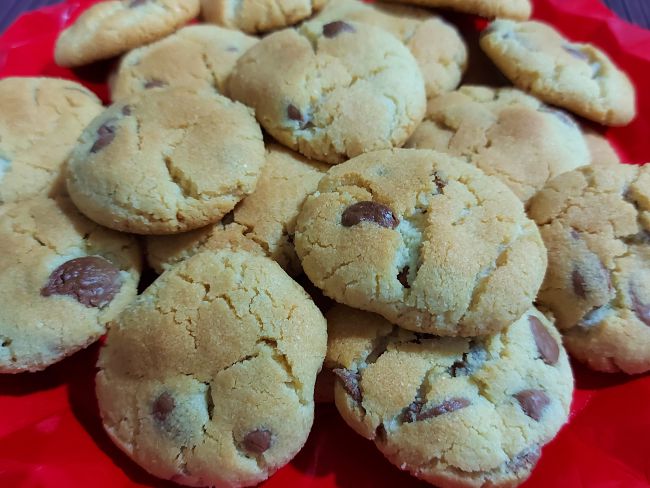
column 333, row 29
column 641, row 309
column 525, row 460
column 533, row 402
column 350, row 381
column 579, row 283
column 402, row 277
column 415, row 413
column 126, row 110
column 155, row 83
column 91, row 280
column 258, row 441
column 137, row 3
column 575, row 52
column 162, row 407
column 369, row 212
column 105, row 135
column 294, row 113
column 546, row 344
column 471, row 361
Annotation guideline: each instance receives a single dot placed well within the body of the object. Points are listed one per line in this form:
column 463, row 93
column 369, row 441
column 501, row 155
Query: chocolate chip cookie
column 332, row 91
column 454, row 412
column 578, row 77
column 198, row 57
column 166, row 161
column 40, row 121
column 114, row 27
column 505, row 133
column 508, row 9
column 254, row 16
column 264, row 222
column 208, row 377
column 595, row 222
column 424, row 239
column 602, row 153
column 63, row 278
column 435, row 44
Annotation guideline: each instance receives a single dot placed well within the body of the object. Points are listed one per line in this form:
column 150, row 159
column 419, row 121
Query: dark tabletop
column 637, row 11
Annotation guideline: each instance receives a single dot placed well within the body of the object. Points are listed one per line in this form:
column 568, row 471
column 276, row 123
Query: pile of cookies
column 467, row 233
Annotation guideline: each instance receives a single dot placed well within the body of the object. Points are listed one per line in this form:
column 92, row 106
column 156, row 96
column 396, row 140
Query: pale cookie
column 197, row 57
column 596, row 225
column 254, row 16
column 264, row 222
column 602, row 153
column 578, row 77
column 509, row 9
column 40, row 121
column 505, row 133
column 454, row 412
column 424, row 239
column 166, row 161
column 207, row 379
column 114, row 27
column 332, row 91
column 435, row 44
column 63, row 278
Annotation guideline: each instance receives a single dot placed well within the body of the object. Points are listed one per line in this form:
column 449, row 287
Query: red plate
column 50, row 433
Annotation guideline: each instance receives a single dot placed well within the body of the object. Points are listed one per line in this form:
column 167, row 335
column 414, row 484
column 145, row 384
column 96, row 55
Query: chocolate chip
column 163, row 406
column 641, row 309
column 105, row 135
column 533, row 402
column 525, row 460
column 295, row 114
column 579, row 283
column 91, row 280
column 402, row 277
column 155, row 83
column 137, row 3
column 126, row 110
column 232, row 49
column 575, row 52
column 440, row 183
column 350, row 381
column 258, row 441
column 414, row 412
column 333, row 29
column 471, row 361
column 369, row 212
column 546, row 344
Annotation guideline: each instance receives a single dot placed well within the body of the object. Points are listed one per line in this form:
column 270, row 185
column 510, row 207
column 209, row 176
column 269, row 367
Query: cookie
column 114, row 27
column 40, row 122
column 454, row 412
column 63, row 278
column 505, row 133
column 208, row 377
column 595, row 222
column 332, row 91
column 166, row 161
column 435, row 44
column 424, row 239
column 263, row 222
column 197, row 57
column 508, row 9
column 602, row 153
column 255, row 16
column 578, row 77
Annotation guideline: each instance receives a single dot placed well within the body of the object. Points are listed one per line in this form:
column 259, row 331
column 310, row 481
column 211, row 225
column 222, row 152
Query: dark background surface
column 637, row 11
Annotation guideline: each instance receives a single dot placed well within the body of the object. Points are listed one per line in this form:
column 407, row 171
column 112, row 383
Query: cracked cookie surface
column 197, row 57
column 435, row 44
column 263, row 222
column 578, row 77
column 208, row 377
column 454, row 412
column 505, row 133
column 424, row 239
column 508, row 9
column 332, row 91
column 595, row 223
column 111, row 28
column 63, row 278
column 254, row 16
column 166, row 161
column 40, row 122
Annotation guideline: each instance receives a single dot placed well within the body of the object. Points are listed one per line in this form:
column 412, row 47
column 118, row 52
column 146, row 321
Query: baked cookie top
column 63, row 278
column 595, row 222
column 332, row 91
column 208, row 377
column 166, row 161
column 578, row 77
column 40, row 122
column 114, row 27
column 435, row 44
column 424, row 239
column 505, row 133
column 452, row 411
column 508, row 9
